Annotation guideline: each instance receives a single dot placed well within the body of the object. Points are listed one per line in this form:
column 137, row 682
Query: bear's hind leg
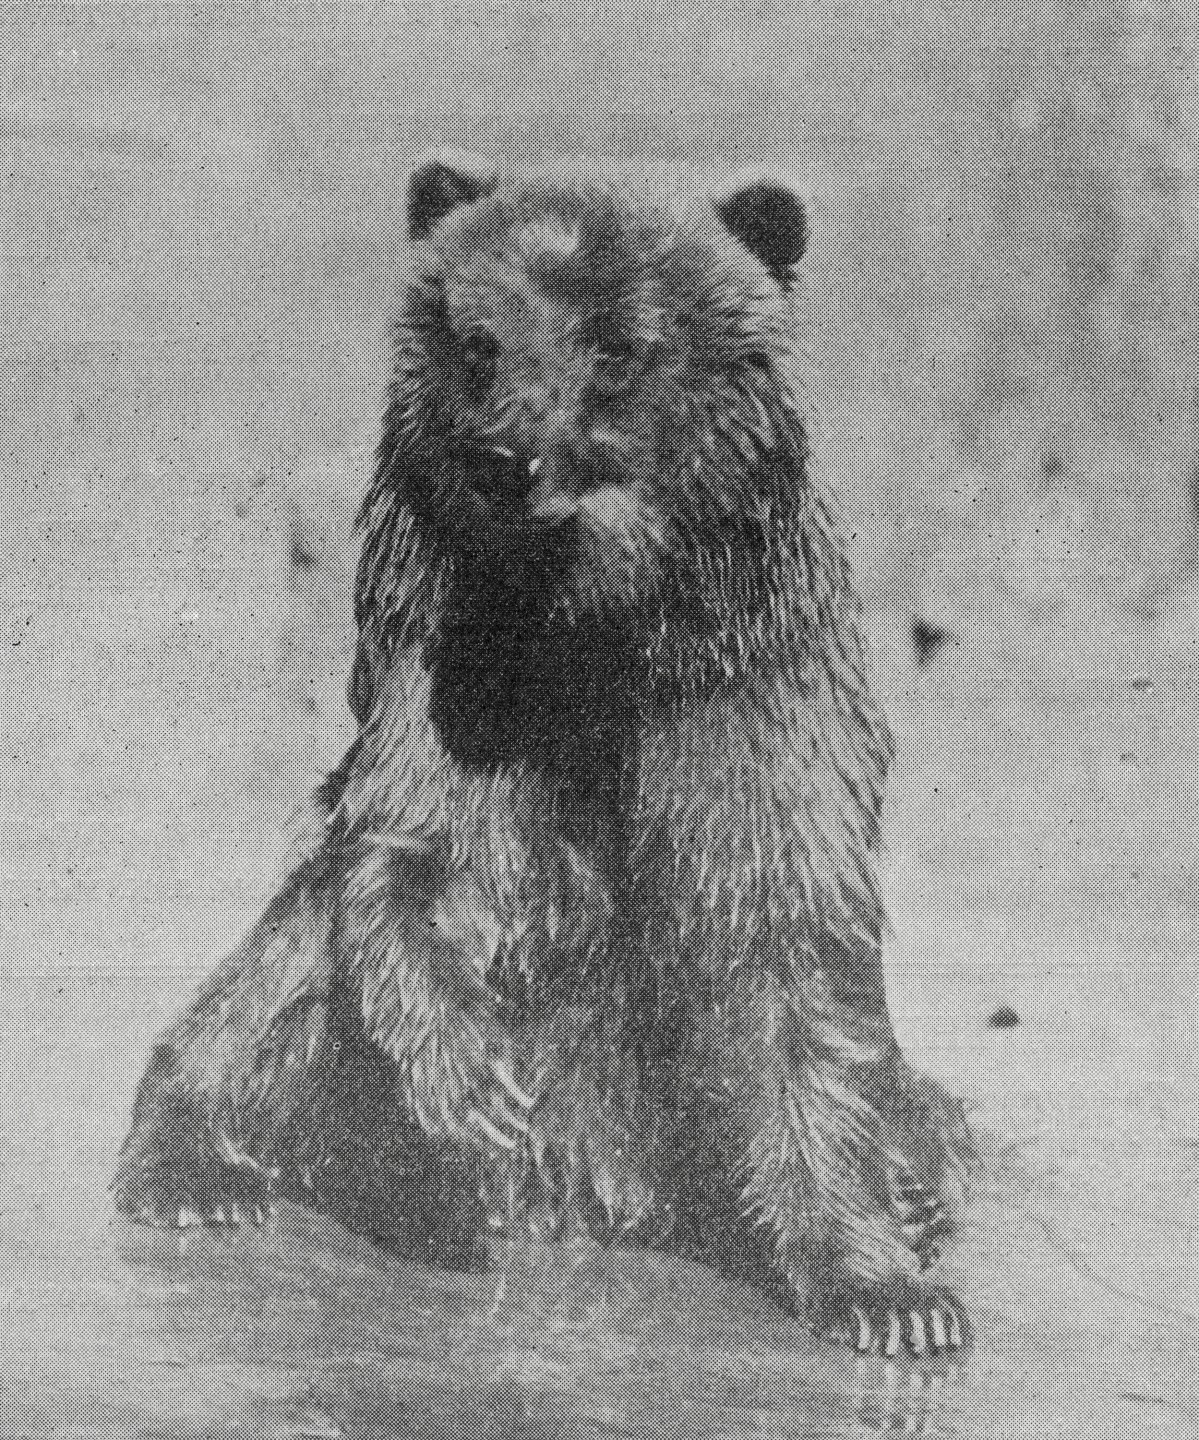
column 267, row 1088
column 836, row 1163
column 212, row 1127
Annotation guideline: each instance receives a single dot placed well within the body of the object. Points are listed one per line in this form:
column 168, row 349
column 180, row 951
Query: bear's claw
column 929, row 1324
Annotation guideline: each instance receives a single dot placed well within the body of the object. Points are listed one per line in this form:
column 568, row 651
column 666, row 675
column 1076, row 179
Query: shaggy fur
column 588, row 917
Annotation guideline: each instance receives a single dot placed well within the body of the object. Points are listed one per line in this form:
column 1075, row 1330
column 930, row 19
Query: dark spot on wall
column 927, row 641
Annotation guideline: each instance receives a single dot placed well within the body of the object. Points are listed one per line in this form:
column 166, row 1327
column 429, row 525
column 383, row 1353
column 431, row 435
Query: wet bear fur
column 585, row 928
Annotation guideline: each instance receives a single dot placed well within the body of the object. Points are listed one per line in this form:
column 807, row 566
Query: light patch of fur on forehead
column 548, row 237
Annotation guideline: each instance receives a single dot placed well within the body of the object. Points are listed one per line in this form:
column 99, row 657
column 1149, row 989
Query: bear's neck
column 518, row 676
column 514, row 681
column 511, row 682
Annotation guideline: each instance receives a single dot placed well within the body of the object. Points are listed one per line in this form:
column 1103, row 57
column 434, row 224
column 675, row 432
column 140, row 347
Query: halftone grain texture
column 203, row 231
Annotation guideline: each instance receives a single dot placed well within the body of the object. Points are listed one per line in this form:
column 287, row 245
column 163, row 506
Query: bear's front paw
column 487, row 1106
column 589, row 1166
column 491, row 1110
column 889, row 1319
column 426, row 1004
column 595, row 1180
column 220, row 1186
column 460, row 1084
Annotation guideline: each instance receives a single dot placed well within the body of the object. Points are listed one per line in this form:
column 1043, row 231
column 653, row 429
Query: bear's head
column 599, row 393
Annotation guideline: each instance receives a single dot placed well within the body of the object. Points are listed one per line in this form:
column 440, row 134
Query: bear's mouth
column 516, row 488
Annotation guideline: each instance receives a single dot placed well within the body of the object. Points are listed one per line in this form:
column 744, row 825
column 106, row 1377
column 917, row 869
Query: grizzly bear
column 587, row 918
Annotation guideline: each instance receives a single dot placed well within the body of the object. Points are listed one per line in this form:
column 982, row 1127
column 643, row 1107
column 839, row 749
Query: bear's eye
column 617, row 360
column 477, row 355
column 613, row 351
column 616, row 363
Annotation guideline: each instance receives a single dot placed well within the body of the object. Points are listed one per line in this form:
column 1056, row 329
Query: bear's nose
column 501, row 472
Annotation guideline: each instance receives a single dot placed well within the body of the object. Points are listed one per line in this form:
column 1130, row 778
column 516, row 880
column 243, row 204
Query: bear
column 585, row 929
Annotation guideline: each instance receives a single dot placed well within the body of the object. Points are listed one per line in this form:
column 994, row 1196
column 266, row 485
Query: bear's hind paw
column 219, row 1217
column 885, row 1321
column 229, row 1190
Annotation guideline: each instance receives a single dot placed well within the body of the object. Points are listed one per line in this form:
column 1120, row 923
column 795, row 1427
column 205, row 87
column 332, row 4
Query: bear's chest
column 535, row 872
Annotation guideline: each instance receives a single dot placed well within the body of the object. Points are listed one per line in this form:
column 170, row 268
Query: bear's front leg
column 844, row 1164
column 419, row 938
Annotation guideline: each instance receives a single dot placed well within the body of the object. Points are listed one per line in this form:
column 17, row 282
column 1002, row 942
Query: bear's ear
column 443, row 182
column 765, row 213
